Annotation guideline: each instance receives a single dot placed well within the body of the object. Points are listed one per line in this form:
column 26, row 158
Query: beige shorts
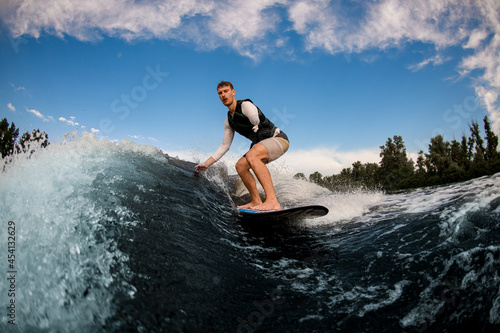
column 275, row 147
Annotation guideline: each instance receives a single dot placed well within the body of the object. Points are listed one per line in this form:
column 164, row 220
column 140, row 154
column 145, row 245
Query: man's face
column 226, row 95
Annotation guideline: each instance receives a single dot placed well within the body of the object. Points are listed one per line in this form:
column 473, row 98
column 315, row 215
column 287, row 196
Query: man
column 268, row 144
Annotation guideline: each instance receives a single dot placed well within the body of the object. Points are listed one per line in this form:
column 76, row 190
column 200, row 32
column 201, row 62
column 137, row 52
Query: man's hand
column 204, row 166
column 201, row 167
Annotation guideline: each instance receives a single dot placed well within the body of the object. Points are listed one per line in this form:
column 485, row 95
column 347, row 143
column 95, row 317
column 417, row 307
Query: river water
column 122, row 238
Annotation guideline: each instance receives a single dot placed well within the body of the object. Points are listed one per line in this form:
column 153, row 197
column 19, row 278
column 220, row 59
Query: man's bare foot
column 268, row 206
column 249, row 205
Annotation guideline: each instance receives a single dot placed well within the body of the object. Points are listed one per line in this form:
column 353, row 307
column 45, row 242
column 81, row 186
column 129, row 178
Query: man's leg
column 243, row 169
column 256, row 158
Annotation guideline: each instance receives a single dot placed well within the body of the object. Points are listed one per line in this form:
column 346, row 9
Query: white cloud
column 258, row 17
column 435, row 60
column 317, row 22
column 322, row 23
column 475, row 39
column 94, row 131
column 16, row 88
column 123, row 18
column 140, row 137
column 382, row 24
column 393, row 23
column 208, row 23
column 70, row 121
column 39, row 115
column 489, row 98
column 11, row 107
column 487, row 85
column 327, row 161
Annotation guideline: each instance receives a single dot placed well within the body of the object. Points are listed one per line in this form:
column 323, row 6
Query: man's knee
column 254, row 156
column 242, row 165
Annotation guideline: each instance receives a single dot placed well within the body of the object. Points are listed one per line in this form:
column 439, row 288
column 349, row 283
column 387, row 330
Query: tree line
column 10, row 144
column 444, row 163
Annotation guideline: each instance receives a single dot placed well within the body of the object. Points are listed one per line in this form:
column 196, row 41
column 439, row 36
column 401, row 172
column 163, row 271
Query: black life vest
column 241, row 124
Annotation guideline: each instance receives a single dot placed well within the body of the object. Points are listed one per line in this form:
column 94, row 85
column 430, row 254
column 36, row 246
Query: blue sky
column 339, row 77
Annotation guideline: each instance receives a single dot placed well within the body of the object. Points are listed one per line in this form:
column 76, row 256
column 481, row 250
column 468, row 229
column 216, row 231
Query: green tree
column 316, row 177
column 29, row 142
column 419, row 177
column 421, row 163
column 395, row 167
column 300, row 175
column 8, row 137
column 358, row 171
column 476, row 135
column 364, row 175
column 479, row 166
column 439, row 160
column 465, row 155
column 446, row 162
column 491, row 152
column 455, row 151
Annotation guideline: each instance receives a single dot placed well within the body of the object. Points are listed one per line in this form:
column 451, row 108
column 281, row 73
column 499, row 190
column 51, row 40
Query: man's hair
column 225, row 83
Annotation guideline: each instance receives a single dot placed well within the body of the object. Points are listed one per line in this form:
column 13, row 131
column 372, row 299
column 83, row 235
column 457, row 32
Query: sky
column 338, row 77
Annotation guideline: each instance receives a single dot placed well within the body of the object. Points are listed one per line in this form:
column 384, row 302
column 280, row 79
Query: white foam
column 480, row 195
column 63, row 257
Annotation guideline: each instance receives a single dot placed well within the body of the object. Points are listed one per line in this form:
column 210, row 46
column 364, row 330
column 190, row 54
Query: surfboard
column 301, row 212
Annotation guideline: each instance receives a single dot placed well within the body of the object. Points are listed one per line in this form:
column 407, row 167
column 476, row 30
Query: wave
column 116, row 237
